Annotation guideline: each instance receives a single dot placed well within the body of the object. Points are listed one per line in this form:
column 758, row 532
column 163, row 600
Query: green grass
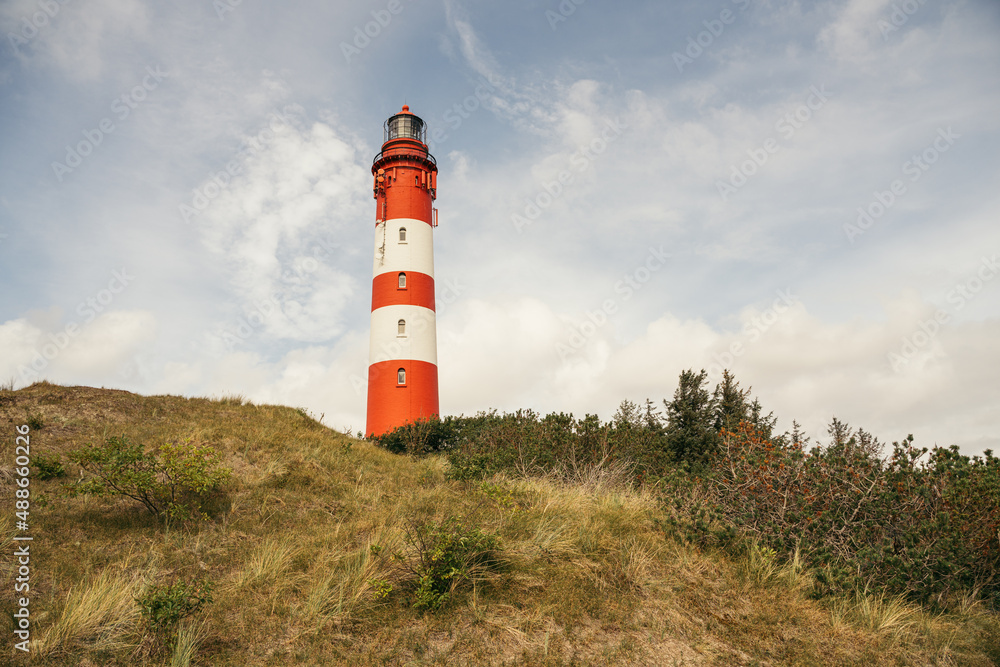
column 587, row 575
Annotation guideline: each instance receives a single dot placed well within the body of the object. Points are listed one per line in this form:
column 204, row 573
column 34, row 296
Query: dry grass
column 267, row 563
column 884, row 615
column 588, row 577
column 99, row 612
column 189, row 637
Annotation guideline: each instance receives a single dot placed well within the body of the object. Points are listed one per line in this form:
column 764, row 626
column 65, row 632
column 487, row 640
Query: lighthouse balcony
column 406, row 150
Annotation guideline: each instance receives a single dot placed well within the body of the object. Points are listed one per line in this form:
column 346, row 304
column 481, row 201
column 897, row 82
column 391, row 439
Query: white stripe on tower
column 418, row 340
column 414, row 254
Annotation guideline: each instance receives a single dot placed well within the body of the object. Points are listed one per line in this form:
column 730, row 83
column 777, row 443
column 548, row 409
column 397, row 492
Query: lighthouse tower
column 402, row 370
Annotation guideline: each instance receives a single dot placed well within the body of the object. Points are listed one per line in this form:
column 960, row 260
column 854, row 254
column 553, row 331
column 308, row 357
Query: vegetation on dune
column 917, row 523
column 174, row 482
column 497, row 539
column 923, row 524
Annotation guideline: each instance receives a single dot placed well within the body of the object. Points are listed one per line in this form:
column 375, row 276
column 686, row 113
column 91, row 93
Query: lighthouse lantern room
column 402, row 370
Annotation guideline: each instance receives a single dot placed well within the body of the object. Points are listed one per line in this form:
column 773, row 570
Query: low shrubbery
column 439, row 559
column 422, row 436
column 920, row 523
column 165, row 606
column 47, row 467
column 448, row 555
column 924, row 524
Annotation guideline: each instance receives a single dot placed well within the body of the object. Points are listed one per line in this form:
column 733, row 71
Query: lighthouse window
column 402, row 234
column 401, row 326
column 401, row 376
column 402, row 281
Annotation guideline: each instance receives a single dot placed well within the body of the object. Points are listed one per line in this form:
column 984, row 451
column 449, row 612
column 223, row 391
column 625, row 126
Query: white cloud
column 74, row 37
column 852, row 33
column 75, row 352
column 506, row 356
column 276, row 228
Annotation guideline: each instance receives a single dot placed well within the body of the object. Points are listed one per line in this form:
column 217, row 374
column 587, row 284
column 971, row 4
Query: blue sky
column 804, row 192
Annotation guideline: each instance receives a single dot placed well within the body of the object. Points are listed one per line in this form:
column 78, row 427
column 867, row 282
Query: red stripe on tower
column 402, row 370
column 409, row 288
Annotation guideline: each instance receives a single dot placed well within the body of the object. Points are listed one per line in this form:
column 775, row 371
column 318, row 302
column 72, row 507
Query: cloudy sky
column 804, row 192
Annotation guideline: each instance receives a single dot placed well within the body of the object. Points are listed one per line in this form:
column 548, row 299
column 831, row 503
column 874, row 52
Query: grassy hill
column 314, row 554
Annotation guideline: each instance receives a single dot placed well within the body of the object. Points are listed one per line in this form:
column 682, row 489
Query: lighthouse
column 402, row 370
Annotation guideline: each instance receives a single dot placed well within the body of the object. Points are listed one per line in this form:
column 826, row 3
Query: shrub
column 165, row 606
column 173, row 483
column 920, row 524
column 421, row 436
column 525, row 443
column 445, row 556
column 47, row 467
column 380, row 588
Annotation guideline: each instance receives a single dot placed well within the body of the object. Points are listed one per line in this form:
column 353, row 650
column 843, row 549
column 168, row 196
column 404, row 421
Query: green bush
column 524, row 443
column 919, row 523
column 421, row 436
column 174, row 482
column 165, row 606
column 447, row 555
column 47, row 467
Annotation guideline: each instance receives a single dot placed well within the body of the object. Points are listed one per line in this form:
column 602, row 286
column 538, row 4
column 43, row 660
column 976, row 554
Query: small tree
column 652, row 418
column 730, row 403
column 733, row 405
column 840, row 434
column 171, row 483
column 691, row 434
column 627, row 416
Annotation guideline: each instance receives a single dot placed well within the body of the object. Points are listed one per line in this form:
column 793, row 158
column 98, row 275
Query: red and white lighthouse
column 402, row 370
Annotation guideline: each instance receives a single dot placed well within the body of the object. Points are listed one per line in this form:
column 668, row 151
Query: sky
column 805, row 193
